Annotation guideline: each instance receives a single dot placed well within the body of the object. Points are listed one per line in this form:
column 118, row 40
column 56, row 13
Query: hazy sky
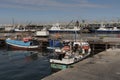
column 41, row 11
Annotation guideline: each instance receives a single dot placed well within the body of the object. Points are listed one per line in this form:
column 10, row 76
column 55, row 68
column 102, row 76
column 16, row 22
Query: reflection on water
column 25, row 55
column 23, row 65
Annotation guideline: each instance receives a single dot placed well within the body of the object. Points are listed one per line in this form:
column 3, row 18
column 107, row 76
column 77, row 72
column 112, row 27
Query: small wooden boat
column 70, row 54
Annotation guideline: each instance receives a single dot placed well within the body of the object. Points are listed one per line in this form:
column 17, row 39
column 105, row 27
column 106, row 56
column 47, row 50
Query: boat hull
column 104, row 31
column 19, row 45
column 66, row 63
column 59, row 66
column 22, row 48
column 63, row 31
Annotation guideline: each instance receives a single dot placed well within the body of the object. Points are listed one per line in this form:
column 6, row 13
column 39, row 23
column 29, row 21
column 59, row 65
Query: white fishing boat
column 70, row 54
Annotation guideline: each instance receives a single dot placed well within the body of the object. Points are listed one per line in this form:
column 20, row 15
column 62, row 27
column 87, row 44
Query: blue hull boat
column 22, row 45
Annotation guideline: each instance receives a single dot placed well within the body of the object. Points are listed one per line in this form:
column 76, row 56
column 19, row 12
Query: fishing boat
column 23, row 28
column 57, row 28
column 104, row 29
column 26, row 43
column 19, row 28
column 69, row 54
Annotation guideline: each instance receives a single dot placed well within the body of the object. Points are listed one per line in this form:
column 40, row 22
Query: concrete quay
column 102, row 66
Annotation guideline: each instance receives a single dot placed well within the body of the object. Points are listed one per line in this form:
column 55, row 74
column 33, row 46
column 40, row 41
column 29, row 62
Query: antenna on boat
column 28, row 25
column 81, row 28
column 76, row 24
column 75, row 36
column 13, row 24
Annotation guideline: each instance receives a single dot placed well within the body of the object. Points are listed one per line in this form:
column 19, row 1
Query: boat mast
column 13, row 24
column 76, row 24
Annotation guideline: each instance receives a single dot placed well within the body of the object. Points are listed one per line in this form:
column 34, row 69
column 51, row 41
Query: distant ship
column 103, row 29
column 21, row 28
column 57, row 28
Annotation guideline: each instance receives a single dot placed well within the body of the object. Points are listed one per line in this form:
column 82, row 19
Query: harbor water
column 23, row 65
column 31, row 65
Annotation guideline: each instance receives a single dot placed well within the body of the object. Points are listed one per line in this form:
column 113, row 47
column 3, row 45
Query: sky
column 45, row 11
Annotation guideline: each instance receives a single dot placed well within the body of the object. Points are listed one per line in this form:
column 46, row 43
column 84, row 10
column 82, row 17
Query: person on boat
column 75, row 48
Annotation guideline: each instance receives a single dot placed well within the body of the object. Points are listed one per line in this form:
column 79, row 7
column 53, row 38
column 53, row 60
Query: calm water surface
column 23, row 65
